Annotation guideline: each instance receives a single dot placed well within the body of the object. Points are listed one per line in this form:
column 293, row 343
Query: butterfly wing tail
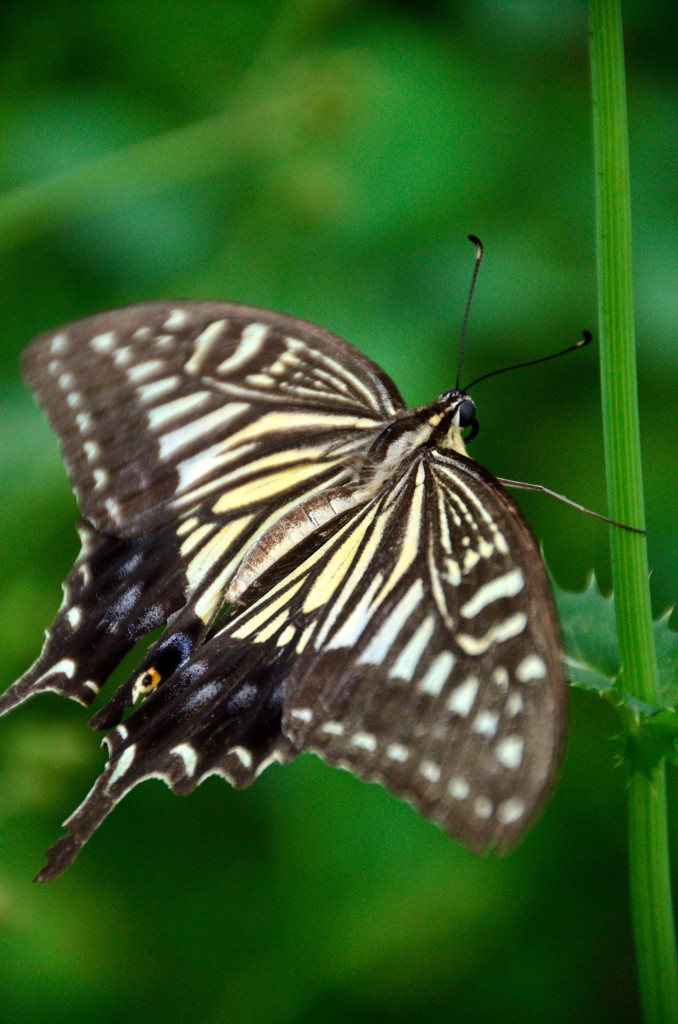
column 218, row 714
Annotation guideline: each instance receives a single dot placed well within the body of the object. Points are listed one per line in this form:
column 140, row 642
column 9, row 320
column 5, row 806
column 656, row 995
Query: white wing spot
column 123, row 765
column 92, row 450
column 364, row 740
column 123, row 356
column 59, row 343
column 485, row 723
column 437, row 674
column 104, row 343
column 243, row 755
column 406, row 663
column 430, row 770
column 66, row 665
column 510, row 810
column 508, row 585
column 499, row 540
column 471, row 559
column 303, row 714
column 452, row 574
column 83, row 422
column 531, row 667
column 85, row 540
column 483, row 807
column 164, row 414
column 113, row 509
column 74, row 616
column 503, row 631
column 157, row 388
column 463, row 696
column 260, row 380
column 458, row 788
column 500, row 677
column 250, row 344
column 100, row 478
column 74, row 400
column 485, row 548
column 509, row 750
column 397, row 752
column 333, row 728
column 178, row 318
column 274, row 757
column 188, row 755
column 203, row 345
column 514, row 704
column 141, row 371
column 85, row 574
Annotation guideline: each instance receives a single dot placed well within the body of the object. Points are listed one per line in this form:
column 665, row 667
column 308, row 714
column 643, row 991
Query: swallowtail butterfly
column 386, row 602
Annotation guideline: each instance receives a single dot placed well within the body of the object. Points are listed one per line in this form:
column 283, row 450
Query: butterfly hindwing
column 442, row 677
column 401, row 648
column 117, row 591
column 218, row 714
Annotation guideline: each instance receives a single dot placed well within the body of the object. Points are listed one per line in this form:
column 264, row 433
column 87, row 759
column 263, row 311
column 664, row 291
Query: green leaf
column 592, row 653
column 666, row 643
column 653, row 739
column 590, row 636
column 592, row 659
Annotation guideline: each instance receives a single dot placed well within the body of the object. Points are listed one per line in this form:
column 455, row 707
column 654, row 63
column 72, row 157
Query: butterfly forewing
column 187, row 430
column 391, row 611
column 158, row 407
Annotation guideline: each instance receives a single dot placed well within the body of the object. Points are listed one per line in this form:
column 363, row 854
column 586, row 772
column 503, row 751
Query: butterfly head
column 450, row 417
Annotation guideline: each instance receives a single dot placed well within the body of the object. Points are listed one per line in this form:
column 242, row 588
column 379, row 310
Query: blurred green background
column 327, row 158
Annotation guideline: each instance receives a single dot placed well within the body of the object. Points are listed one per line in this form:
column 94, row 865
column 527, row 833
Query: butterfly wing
column 187, row 430
column 415, row 644
column 159, row 407
column 442, row 677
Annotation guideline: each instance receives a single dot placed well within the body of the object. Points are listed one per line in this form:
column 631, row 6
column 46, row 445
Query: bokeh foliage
column 327, row 158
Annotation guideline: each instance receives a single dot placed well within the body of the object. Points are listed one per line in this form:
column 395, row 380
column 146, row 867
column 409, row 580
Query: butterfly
column 333, row 572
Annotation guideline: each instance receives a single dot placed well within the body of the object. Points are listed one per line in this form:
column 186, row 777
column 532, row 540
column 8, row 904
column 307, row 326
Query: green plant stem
column 648, row 834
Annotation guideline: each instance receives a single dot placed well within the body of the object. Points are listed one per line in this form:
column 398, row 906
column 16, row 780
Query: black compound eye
column 466, row 413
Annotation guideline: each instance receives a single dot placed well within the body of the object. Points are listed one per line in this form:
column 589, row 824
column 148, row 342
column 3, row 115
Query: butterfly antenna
column 585, row 339
column 479, row 255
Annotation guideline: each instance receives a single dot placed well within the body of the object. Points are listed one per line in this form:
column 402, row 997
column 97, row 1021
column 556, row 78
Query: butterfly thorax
column 437, row 425
column 395, row 450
